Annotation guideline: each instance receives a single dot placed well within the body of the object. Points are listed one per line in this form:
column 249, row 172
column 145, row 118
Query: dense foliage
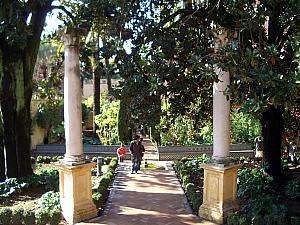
column 100, row 193
column 259, row 199
column 183, row 130
column 107, row 121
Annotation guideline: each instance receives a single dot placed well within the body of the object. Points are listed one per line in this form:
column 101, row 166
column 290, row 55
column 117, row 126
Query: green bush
column 183, row 172
column 29, row 217
column 253, row 182
column 5, row 215
column 17, row 216
column 258, row 220
column 232, row 219
column 244, row 127
column 55, row 217
column 185, row 180
column 49, row 201
column 107, row 160
column 196, row 200
column 10, row 186
column 194, row 164
column 42, row 216
column 94, row 159
column 293, row 188
column 98, row 199
column 107, row 121
column 102, row 190
column 238, row 219
column 190, row 190
column 105, row 181
column 91, row 141
column 295, row 220
column 184, row 160
column 39, row 159
column 49, row 209
column 48, row 177
column 32, row 160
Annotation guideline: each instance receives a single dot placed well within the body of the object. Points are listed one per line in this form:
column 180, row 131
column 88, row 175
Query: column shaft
column 221, row 117
column 72, row 99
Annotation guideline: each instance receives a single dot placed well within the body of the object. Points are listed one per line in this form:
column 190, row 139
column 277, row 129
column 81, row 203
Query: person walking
column 121, row 151
column 143, row 151
column 136, row 150
column 258, row 147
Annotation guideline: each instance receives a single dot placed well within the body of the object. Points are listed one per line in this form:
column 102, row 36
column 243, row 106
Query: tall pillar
column 72, row 98
column 220, row 175
column 75, row 183
column 221, row 117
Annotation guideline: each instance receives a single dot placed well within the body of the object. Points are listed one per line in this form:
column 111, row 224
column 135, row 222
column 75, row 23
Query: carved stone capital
column 73, row 35
column 222, row 37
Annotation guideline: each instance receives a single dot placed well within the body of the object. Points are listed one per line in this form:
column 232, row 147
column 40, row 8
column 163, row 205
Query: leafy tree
column 262, row 54
column 21, row 26
column 263, row 58
column 20, row 30
column 107, row 121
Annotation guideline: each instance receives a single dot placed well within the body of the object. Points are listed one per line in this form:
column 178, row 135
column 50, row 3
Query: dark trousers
column 135, row 166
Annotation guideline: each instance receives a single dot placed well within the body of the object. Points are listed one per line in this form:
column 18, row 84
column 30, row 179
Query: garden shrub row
column 55, row 158
column 260, row 202
column 100, row 194
column 46, row 159
column 188, row 171
column 48, row 178
column 46, row 211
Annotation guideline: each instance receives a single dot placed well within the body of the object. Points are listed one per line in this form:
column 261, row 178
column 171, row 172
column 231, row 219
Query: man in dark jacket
column 136, row 150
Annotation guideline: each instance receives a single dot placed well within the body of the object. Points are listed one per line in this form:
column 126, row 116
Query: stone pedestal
column 75, row 186
column 219, row 194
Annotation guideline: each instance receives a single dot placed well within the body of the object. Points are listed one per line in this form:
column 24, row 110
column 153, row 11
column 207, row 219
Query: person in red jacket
column 121, row 153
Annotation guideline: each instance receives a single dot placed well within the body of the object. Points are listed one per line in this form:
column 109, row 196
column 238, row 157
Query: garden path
column 152, row 197
column 151, row 151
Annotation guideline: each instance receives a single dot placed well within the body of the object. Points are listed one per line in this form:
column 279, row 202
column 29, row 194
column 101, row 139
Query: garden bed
column 35, row 199
column 261, row 200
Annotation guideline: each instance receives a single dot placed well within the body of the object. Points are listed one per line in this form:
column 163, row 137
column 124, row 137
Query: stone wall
column 178, row 152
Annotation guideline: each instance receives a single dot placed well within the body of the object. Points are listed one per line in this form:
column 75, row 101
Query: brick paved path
column 152, row 197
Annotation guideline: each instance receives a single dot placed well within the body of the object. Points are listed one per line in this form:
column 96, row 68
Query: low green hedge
column 100, row 195
column 183, row 168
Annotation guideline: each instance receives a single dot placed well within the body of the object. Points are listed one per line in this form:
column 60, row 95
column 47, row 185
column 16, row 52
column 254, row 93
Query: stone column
column 220, row 175
column 221, row 118
column 72, row 98
column 75, row 183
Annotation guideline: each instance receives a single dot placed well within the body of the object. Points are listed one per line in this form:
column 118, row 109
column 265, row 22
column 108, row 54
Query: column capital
column 72, row 36
column 222, row 36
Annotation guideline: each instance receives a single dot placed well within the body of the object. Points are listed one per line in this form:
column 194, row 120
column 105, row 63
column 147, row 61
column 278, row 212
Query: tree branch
column 60, row 7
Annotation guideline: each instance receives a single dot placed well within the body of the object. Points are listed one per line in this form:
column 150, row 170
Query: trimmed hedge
column 100, row 195
column 194, row 196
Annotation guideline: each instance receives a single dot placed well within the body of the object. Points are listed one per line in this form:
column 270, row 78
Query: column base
column 75, row 186
column 219, row 194
column 72, row 160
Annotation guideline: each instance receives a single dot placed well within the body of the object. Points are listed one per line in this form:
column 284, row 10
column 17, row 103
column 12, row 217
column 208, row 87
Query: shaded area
column 151, row 197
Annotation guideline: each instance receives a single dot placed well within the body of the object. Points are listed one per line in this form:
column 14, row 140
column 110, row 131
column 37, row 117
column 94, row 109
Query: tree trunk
column 8, row 106
column 272, row 130
column 123, row 122
column 2, row 158
column 96, row 79
column 108, row 75
column 96, row 105
column 16, row 91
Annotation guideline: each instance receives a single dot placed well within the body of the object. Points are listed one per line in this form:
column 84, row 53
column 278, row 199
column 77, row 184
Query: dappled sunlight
column 150, row 197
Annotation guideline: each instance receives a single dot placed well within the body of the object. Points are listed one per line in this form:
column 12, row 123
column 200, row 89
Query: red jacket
column 121, row 152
